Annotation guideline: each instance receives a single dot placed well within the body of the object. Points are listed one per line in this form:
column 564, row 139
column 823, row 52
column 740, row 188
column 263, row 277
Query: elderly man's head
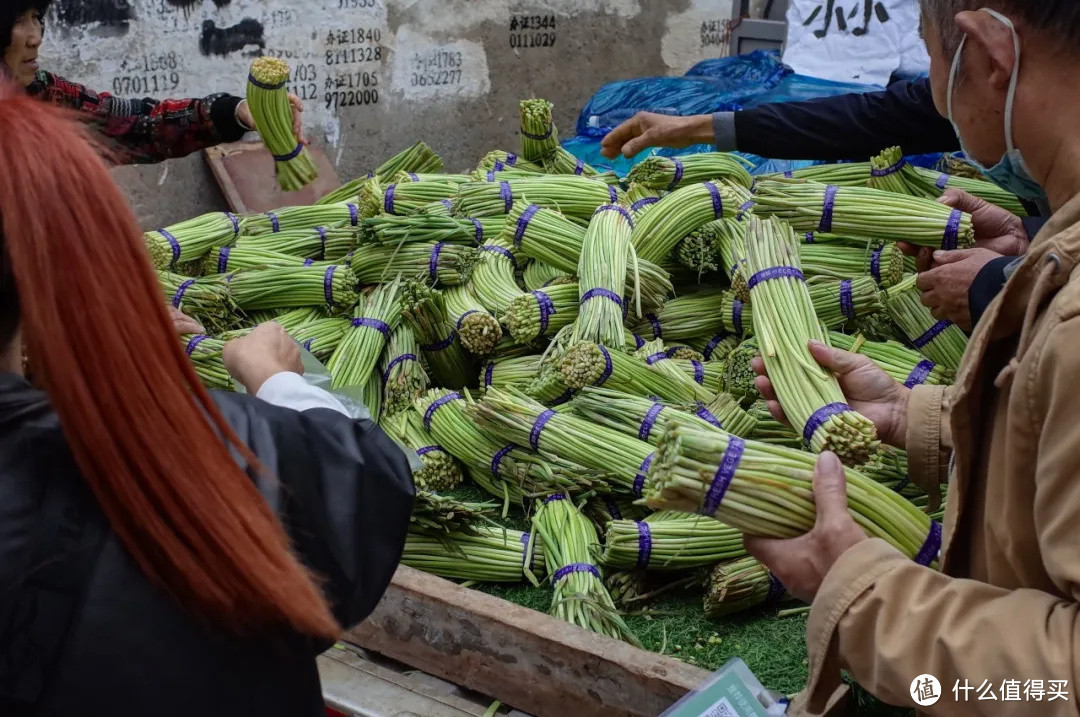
column 977, row 69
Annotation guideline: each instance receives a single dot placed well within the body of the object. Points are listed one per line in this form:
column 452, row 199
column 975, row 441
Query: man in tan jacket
column 999, row 626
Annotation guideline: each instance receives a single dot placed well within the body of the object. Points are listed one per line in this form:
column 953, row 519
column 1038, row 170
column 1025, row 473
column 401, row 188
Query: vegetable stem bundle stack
column 515, row 372
column 602, row 277
column 671, row 173
column 403, row 376
column 439, row 513
column 424, row 310
column 885, row 264
column 440, row 472
column 588, row 364
column 498, row 160
column 356, row 357
column 538, row 275
column 698, row 249
column 542, row 312
column 318, row 244
column 576, row 197
column 864, row 212
column 403, row 198
column 477, row 330
column 906, row 366
column 641, row 199
column 425, row 228
column 769, row 430
column 206, row 299
column 562, row 162
column 305, row 218
column 417, row 158
column 741, row 584
column 669, row 540
column 659, row 231
column 716, row 347
column 522, row 421
column 288, row 287
column 941, row 341
column 190, row 240
column 490, row 554
column 205, row 354
column 767, row 490
column 849, row 174
column 784, row 321
column 739, row 373
column 694, row 316
column 446, row 264
column 227, row 259
column 270, row 107
column 580, row 596
column 321, row 336
column 539, row 137
column 837, row 302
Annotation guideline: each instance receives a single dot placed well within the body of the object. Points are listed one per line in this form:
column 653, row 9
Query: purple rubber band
column 174, row 245
column 776, row 590
column 643, row 202
column 489, row 374
column 717, row 200
column 564, row 398
column 608, row 367
column 478, row 236
column 638, row 341
column 441, row 345
column 496, row 460
column 308, row 262
column 179, row 295
column 724, row 474
column 817, row 420
column 461, row 319
column 511, row 159
column 428, row 449
column 613, row 194
column 616, row 208
column 322, row 241
column 952, row 230
column 789, row 174
column 657, row 329
column 388, row 199
column 612, row 508
column 354, row 214
column 436, row 405
column 381, row 326
column 291, row 155
column 397, row 359
column 275, row 225
column 491, row 176
column 920, row 373
column 650, row 421
column 554, row 497
column 499, row 166
column 605, row 293
column 308, row 344
column 943, row 181
column 547, row 308
column 679, row 169
column 194, row 343
column 538, row 428
column 931, row 334
column 448, row 204
column 501, row 250
column 328, row 285
column 736, row 316
column 539, row 137
column 526, row 558
column 643, row 469
column 930, row 549
column 827, row 208
column 775, row 272
column 699, row 371
column 713, row 343
column 875, row 264
column 747, row 206
column 891, row 169
column 575, row 568
column 413, row 176
column 809, row 239
column 662, row 356
column 579, row 168
column 705, row 415
column 507, row 196
column 847, row 301
column 223, row 260
column 644, row 542
column 235, row 223
column 433, row 261
column 264, row 85
column 523, row 223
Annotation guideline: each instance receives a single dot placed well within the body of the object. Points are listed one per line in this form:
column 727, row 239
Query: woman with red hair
column 163, row 550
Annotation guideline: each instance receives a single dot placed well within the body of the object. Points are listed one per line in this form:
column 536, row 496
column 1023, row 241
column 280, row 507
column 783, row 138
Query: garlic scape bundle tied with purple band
column 659, row 231
column 784, row 323
column 940, row 341
column 606, row 252
column 375, row 318
column 268, row 100
column 671, row 173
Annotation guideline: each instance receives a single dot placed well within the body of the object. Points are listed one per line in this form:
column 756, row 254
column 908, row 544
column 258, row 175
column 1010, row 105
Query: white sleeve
column 290, row 390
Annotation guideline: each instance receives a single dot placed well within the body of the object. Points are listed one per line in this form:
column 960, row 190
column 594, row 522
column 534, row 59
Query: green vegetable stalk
column 940, row 341
column 205, row 354
column 588, row 364
column 289, row 287
column 270, row 107
column 576, row 197
column 490, row 554
column 885, row 264
column 539, row 275
column 539, row 137
column 498, row 160
column 542, row 312
column 671, row 173
column 478, row 331
column 906, row 366
column 494, row 282
column 206, row 299
column 440, row 472
column 190, row 240
column 426, row 228
column 404, row 198
column 417, row 158
column 740, row 584
column 441, row 263
column 602, row 276
column 837, row 302
column 424, row 310
column 403, row 376
column 657, row 232
column 376, row 317
column 739, row 375
column 318, row 244
column 302, row 218
column 669, row 541
column 321, row 336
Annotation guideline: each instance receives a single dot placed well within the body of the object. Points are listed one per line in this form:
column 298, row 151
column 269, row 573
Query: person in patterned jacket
column 129, row 131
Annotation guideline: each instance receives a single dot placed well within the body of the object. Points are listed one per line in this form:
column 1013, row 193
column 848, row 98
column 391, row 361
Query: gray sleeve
column 724, row 131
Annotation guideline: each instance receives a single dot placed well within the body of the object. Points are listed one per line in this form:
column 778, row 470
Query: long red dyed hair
column 146, row 435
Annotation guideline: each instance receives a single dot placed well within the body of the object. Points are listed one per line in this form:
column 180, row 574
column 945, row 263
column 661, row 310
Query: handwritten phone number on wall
column 145, row 83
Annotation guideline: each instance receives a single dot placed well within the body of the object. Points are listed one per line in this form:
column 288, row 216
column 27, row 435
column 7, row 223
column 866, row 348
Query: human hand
column 647, row 129
column 264, row 352
column 945, row 287
column 183, row 323
column 802, row 563
column 866, row 386
column 996, row 229
column 245, row 118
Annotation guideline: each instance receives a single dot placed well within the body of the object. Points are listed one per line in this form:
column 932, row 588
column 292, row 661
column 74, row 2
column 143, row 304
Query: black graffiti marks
column 189, row 4
column 227, row 40
column 109, row 13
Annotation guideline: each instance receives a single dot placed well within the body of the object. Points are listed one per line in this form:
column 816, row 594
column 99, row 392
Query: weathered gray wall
column 137, row 46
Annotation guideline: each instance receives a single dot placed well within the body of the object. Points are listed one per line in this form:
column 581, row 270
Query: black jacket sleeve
column 853, row 126
column 342, row 488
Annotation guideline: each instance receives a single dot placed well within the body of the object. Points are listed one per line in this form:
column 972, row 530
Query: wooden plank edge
column 215, row 157
column 519, row 656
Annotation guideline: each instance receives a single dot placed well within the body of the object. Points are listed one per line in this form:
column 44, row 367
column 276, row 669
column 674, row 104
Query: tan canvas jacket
column 1006, row 603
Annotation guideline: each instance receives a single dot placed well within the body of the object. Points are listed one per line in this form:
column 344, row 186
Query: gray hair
column 1057, row 20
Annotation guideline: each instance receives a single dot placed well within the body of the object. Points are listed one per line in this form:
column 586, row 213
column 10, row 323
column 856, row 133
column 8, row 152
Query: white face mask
column 1011, row 173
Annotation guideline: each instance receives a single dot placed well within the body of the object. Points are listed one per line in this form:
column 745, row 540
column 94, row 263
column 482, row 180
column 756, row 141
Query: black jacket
column 82, row 632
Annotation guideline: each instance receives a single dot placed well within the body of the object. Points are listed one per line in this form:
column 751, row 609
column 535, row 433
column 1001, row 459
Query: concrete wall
column 449, row 72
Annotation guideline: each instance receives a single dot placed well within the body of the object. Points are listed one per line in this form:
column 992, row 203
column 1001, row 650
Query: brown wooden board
column 245, row 173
